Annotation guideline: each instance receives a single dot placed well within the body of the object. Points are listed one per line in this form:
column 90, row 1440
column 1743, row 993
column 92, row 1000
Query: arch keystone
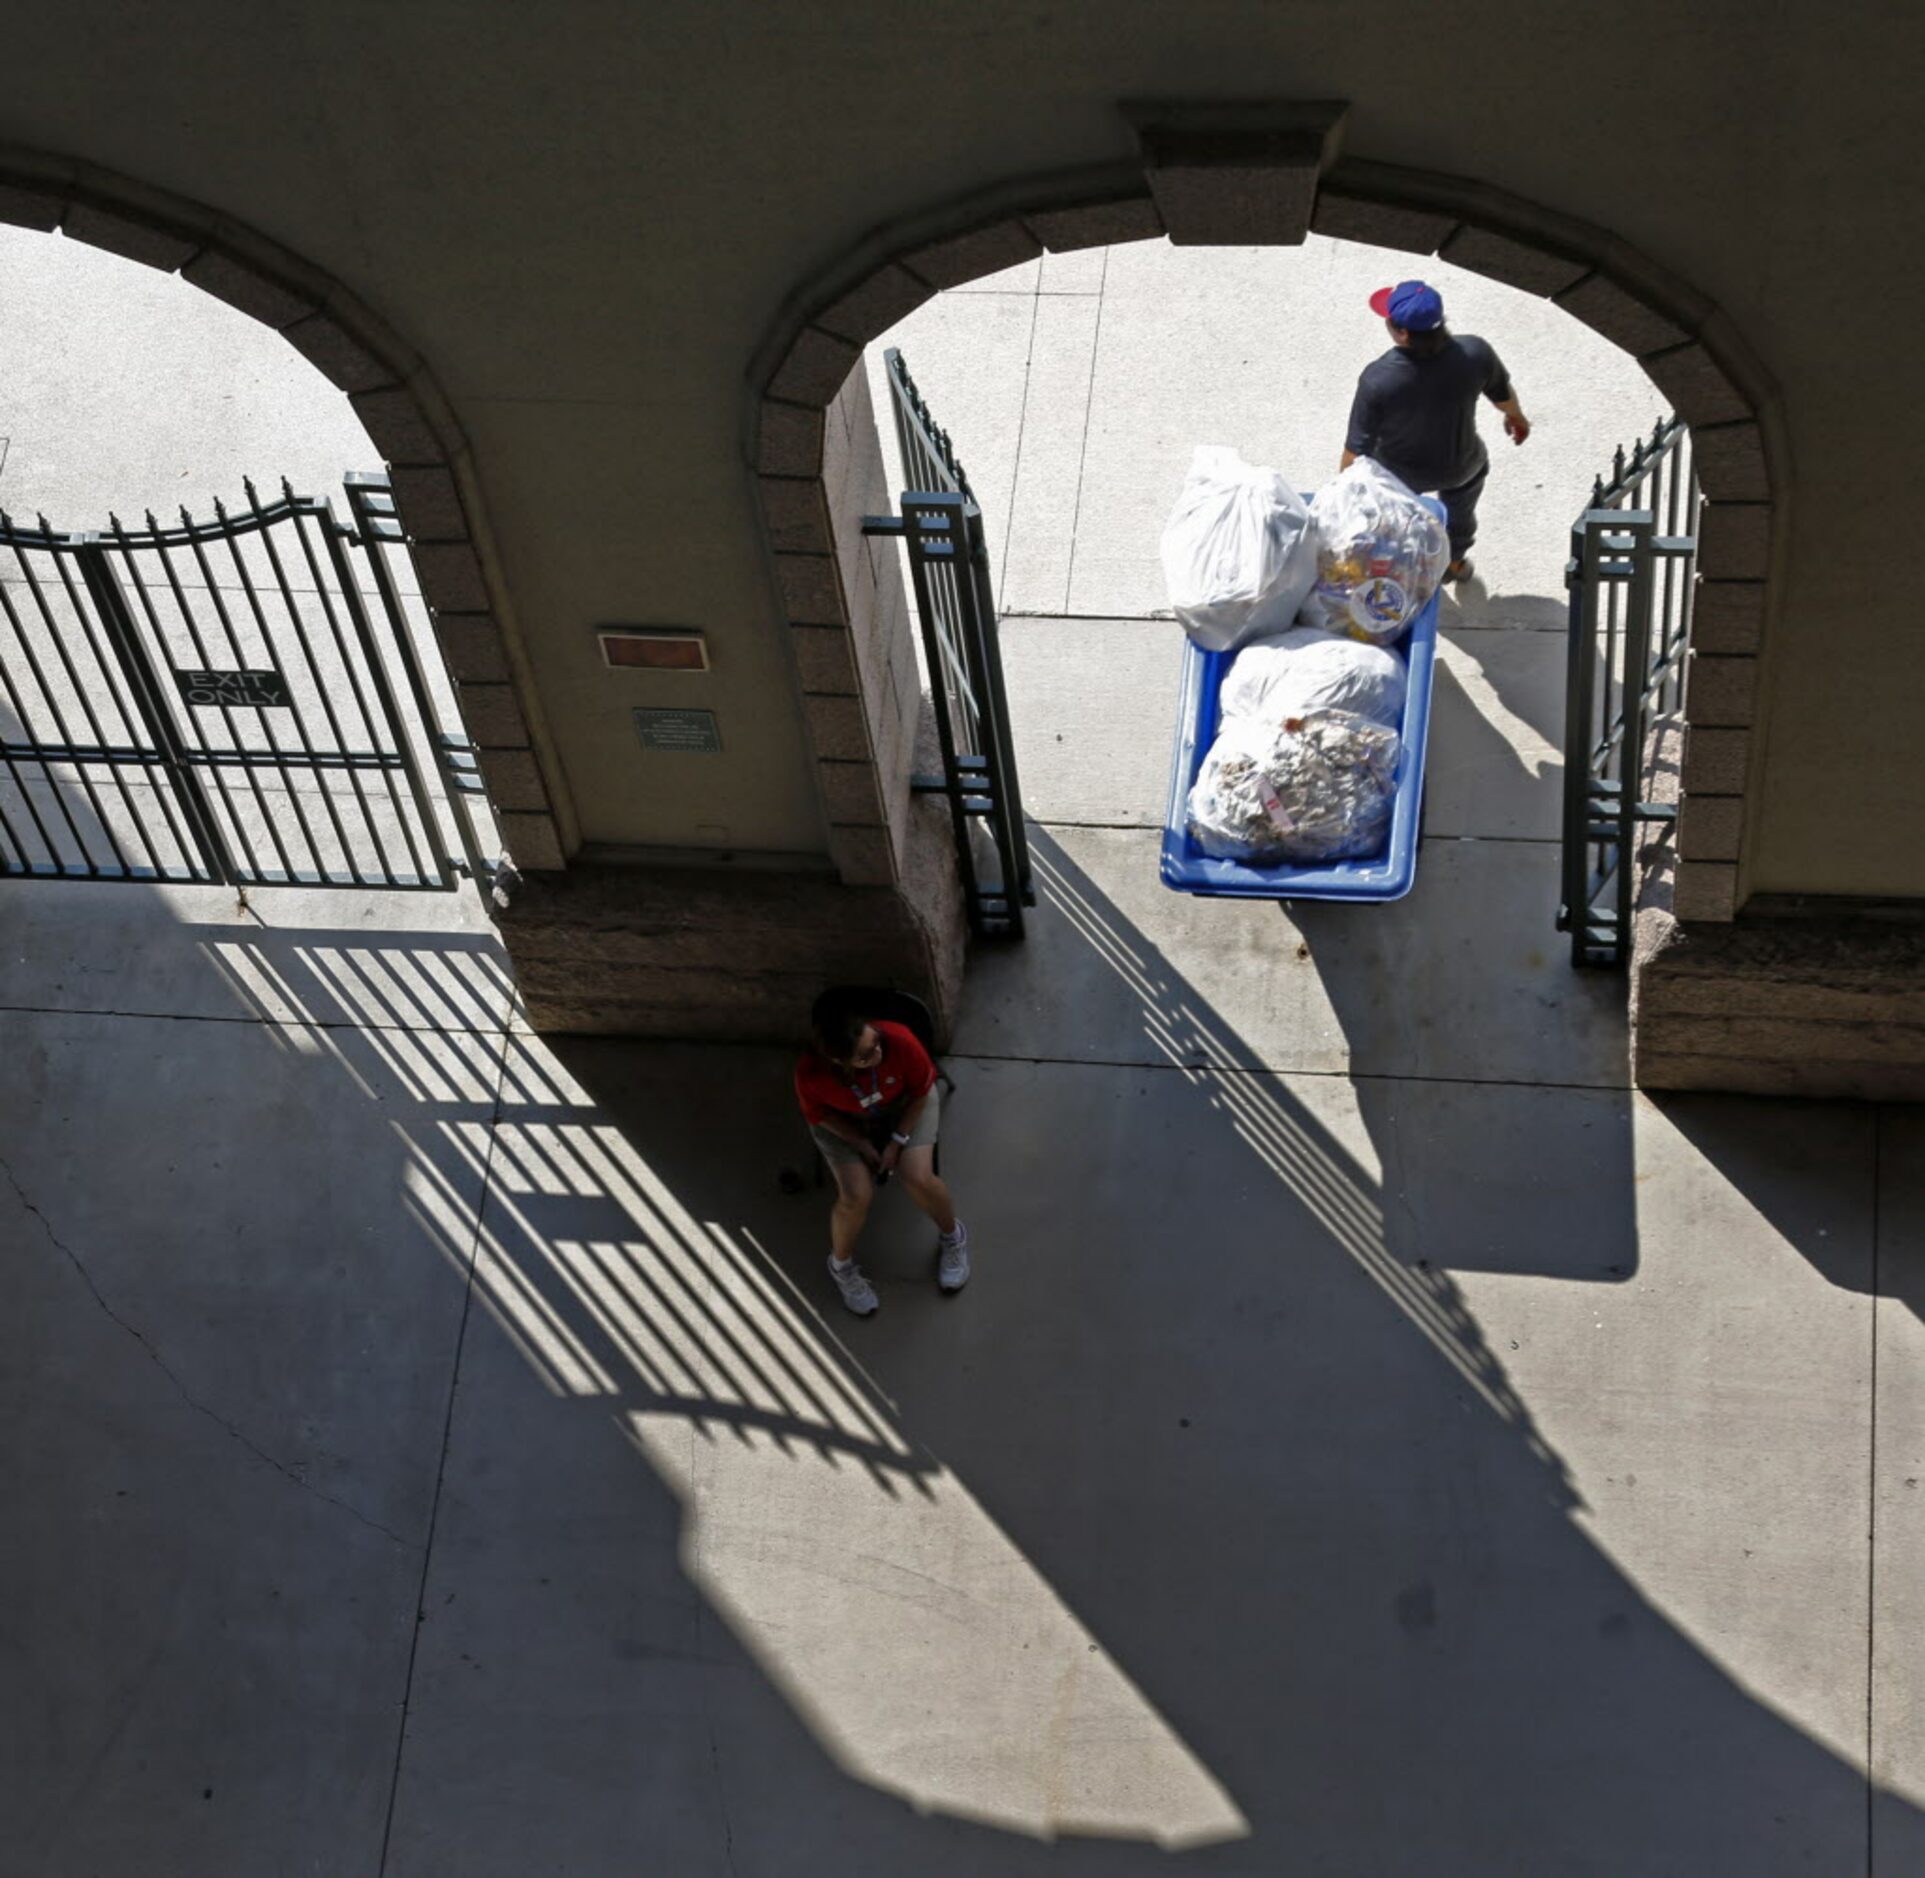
column 1236, row 174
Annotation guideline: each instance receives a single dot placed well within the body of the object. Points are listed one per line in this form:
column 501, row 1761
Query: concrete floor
column 1375, row 1441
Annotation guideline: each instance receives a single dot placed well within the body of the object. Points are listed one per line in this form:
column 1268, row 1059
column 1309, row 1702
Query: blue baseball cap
column 1411, row 304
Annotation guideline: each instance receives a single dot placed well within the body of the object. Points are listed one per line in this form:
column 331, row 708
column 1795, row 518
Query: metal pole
column 375, row 526
column 384, row 690
column 1011, row 837
column 1637, row 660
column 913, row 515
column 1580, row 656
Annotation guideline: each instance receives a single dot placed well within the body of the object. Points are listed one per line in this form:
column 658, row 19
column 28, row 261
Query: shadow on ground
column 1207, row 1519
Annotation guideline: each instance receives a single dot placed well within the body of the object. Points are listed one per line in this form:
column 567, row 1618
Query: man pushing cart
column 1415, row 410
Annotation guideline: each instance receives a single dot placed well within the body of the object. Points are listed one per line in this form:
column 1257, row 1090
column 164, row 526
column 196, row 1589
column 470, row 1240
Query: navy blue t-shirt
column 1418, row 417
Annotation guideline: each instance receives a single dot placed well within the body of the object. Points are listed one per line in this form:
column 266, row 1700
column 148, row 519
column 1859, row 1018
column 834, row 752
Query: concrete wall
column 585, row 219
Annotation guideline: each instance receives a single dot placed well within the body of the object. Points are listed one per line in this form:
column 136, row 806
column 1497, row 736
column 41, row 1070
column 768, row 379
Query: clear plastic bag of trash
column 1380, row 555
column 1307, row 669
column 1238, row 555
column 1316, row 788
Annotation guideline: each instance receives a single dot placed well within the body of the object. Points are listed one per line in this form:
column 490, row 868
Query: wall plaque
column 693, row 733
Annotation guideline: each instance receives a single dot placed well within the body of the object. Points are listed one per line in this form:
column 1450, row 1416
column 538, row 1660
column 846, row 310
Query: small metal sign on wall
column 260, row 690
column 694, row 733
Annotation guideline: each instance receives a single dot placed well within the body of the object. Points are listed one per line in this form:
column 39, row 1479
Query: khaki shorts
column 838, row 1153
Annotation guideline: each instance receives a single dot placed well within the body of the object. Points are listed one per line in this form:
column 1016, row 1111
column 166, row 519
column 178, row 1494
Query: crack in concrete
column 699, row 1576
column 1396, row 1177
column 489, row 1029
column 721, row 1797
column 1263, row 1072
column 285, row 1469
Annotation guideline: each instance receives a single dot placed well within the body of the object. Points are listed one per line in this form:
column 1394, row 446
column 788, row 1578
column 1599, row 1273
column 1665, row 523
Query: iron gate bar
column 210, row 850
column 125, row 755
column 293, row 705
column 226, row 709
column 101, row 819
column 26, row 793
column 60, row 723
column 339, row 640
column 378, row 523
column 266, row 724
column 1637, row 656
column 384, row 689
column 203, row 845
column 1007, row 811
column 235, row 821
column 110, row 670
column 1629, row 634
column 86, row 654
column 236, row 756
column 914, row 521
column 314, row 671
column 357, row 621
column 941, row 526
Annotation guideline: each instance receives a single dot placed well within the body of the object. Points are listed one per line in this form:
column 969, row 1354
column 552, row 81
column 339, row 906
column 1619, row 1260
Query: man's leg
column 920, row 1181
column 1460, row 513
column 855, row 1188
column 917, row 1171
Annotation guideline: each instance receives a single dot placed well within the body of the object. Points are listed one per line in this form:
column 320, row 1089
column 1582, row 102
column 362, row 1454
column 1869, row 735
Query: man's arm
column 1499, row 390
column 923, row 1066
column 904, row 1125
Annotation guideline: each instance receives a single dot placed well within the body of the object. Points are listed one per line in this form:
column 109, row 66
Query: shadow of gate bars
column 941, row 525
column 255, row 700
column 1633, row 555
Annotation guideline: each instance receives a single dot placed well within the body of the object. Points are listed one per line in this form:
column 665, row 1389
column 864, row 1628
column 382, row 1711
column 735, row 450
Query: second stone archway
column 1243, row 176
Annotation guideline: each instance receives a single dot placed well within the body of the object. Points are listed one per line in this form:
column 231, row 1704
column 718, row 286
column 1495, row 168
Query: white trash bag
column 1318, row 788
column 1380, row 554
column 1307, row 669
column 1238, row 555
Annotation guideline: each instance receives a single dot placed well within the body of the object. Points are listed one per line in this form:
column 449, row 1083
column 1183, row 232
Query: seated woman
column 868, row 1092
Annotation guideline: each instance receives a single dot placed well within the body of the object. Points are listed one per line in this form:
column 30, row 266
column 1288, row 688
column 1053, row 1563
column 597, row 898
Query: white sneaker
column 857, row 1292
column 952, row 1260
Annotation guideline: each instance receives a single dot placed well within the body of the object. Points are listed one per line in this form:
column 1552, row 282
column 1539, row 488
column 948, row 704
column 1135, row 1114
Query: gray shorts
column 838, row 1153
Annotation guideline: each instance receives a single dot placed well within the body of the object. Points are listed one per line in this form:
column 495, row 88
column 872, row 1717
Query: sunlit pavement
column 1374, row 1441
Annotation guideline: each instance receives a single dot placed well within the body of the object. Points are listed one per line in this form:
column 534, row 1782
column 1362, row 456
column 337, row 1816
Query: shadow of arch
column 395, row 396
column 1206, row 182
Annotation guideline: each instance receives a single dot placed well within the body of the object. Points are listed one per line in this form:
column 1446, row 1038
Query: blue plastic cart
column 1388, row 876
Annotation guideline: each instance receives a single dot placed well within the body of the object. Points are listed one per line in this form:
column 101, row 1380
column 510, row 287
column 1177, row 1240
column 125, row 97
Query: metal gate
column 1633, row 554
column 941, row 524
column 252, row 700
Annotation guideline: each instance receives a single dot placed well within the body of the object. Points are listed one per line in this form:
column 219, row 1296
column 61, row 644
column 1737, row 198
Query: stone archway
column 1243, row 175
column 399, row 405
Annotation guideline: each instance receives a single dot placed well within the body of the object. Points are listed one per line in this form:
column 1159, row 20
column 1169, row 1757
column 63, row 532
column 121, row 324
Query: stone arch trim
column 399, row 405
column 1241, row 175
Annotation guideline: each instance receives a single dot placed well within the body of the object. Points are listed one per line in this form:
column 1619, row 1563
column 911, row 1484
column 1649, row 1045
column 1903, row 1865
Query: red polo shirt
column 872, row 1097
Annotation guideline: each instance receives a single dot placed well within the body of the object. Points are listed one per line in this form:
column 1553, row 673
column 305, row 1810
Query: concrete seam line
column 504, row 1037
